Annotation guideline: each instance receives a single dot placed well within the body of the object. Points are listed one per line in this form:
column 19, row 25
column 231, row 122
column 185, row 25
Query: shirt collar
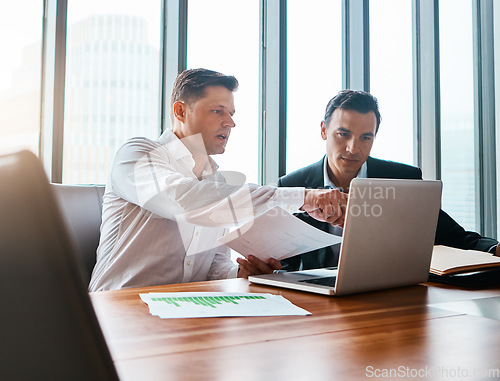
column 178, row 150
column 362, row 174
column 180, row 153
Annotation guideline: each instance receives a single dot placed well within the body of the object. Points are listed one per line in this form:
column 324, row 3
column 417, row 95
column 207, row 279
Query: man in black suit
column 349, row 128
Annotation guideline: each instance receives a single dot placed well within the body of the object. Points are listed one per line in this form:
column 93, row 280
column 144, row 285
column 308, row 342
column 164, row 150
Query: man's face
column 212, row 117
column 349, row 138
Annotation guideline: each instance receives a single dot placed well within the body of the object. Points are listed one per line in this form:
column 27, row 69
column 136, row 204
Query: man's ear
column 179, row 111
column 323, row 130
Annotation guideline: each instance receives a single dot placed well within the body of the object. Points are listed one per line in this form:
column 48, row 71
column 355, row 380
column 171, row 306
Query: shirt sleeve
column 493, row 249
column 450, row 233
column 222, row 266
column 148, row 176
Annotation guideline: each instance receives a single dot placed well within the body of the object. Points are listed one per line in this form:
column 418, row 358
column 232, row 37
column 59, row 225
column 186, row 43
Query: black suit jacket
column 448, row 232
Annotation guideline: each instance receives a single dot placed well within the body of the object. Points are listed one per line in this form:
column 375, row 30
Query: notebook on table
column 465, row 268
column 387, row 240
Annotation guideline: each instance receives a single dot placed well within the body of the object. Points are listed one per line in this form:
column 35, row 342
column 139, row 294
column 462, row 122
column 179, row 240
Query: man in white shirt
column 166, row 205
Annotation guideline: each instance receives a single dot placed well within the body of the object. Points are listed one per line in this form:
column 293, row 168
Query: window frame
column 272, row 93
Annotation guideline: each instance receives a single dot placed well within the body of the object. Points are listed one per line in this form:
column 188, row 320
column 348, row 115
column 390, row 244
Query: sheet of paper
column 169, row 305
column 277, row 234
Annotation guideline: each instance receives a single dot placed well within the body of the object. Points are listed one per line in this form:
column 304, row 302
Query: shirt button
column 188, row 263
column 196, row 233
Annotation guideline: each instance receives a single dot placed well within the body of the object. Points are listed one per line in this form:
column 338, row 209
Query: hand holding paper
column 254, row 266
column 277, row 234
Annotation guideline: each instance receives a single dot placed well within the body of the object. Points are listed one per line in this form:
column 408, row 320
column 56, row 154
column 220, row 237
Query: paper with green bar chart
column 169, row 305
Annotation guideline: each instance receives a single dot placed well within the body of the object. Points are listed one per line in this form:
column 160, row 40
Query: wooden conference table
column 393, row 334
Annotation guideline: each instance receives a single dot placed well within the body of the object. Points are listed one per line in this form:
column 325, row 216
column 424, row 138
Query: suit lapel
column 315, row 177
column 372, row 168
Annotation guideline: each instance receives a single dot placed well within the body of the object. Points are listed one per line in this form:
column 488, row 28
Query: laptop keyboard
column 325, row 281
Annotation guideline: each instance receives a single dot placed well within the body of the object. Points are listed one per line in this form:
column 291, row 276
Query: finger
column 316, row 215
column 245, row 268
column 261, row 266
column 242, row 272
column 321, row 216
column 274, row 264
column 336, row 220
column 332, row 211
column 322, row 209
column 343, row 200
column 327, row 210
column 337, row 210
column 250, row 267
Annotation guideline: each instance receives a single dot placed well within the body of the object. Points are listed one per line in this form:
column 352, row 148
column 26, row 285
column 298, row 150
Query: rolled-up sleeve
column 222, row 266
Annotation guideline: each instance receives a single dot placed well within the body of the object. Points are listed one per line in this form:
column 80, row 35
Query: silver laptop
column 387, row 240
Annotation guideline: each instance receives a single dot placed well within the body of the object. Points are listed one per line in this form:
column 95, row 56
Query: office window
column 391, row 77
column 496, row 15
column 112, row 82
column 457, row 111
column 314, row 75
column 20, row 75
column 223, row 35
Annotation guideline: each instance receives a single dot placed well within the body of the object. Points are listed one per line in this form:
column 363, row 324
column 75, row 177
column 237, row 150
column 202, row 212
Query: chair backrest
column 81, row 207
column 49, row 328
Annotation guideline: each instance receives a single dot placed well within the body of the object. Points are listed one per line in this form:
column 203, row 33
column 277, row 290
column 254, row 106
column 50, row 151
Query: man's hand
column 254, row 266
column 327, row 205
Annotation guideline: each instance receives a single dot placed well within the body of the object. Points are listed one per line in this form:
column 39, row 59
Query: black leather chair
column 81, row 207
column 49, row 327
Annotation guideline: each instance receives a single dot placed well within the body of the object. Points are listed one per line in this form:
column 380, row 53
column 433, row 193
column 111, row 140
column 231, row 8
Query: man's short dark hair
column 359, row 101
column 190, row 85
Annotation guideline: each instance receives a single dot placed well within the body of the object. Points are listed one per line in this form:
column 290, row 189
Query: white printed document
column 168, row 305
column 277, row 234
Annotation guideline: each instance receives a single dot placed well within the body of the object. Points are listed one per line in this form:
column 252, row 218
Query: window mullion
column 356, row 45
column 427, row 124
column 54, row 72
column 174, row 45
column 272, row 137
column 484, row 117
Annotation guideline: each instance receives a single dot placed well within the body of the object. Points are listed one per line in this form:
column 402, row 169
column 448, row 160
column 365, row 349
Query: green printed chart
column 208, row 301
column 218, row 304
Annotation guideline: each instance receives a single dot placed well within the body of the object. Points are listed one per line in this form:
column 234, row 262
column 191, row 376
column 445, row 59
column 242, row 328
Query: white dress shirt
column 161, row 223
column 362, row 174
